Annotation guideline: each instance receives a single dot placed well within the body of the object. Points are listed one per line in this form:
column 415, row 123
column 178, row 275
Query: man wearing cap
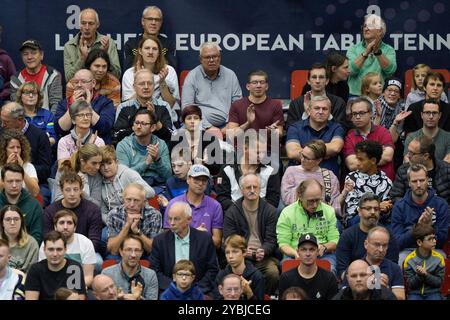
column 48, row 78
column 371, row 54
column 318, row 283
column 207, row 213
column 308, row 215
column 431, row 114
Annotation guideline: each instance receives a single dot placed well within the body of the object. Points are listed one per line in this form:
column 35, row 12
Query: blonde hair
column 366, row 81
column 417, row 67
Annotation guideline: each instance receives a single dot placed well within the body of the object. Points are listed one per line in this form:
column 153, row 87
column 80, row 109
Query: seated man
column 89, row 220
column 13, row 280
column 144, row 87
column 211, row 86
column 318, row 283
column 232, row 288
column 361, row 110
column 367, row 178
column 351, row 243
column 47, row 77
column 184, row 242
column 317, row 126
column 103, row 288
column 136, row 217
column 308, row 215
column 13, row 193
column 48, row 275
column 128, row 273
column 420, row 204
column 79, row 247
column 77, row 48
column 103, row 113
column 207, row 213
column 144, row 152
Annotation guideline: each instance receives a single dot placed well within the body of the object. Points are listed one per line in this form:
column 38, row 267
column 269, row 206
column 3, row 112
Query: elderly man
column 77, row 48
column 184, row 242
column 104, row 288
column 308, row 215
column 371, row 54
column 361, row 111
column 255, row 219
column 317, row 126
column 136, row 217
column 102, row 117
column 48, row 78
column 152, row 20
column 13, row 117
column 211, row 86
column 144, row 86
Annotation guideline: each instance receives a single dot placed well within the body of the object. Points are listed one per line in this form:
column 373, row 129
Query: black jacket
column 338, row 108
column 235, row 222
column 414, row 121
column 441, row 181
column 41, row 152
column 224, row 185
column 380, row 294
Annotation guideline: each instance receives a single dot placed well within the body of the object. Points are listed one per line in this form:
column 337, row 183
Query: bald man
column 103, row 288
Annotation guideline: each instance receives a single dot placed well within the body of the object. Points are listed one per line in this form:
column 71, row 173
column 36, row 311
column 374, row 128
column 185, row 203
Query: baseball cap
column 307, row 237
column 198, row 170
column 31, row 43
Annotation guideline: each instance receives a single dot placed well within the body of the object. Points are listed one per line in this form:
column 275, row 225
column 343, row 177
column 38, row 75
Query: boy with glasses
column 183, row 286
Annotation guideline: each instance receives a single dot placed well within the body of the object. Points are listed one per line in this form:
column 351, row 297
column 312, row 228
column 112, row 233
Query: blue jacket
column 173, row 293
column 103, row 106
column 406, row 213
column 44, row 120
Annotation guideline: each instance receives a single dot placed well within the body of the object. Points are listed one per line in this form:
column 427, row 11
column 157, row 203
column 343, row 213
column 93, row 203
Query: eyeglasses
column 376, row 209
column 311, row 202
column 142, row 123
column 213, row 57
column 430, row 238
column 393, row 91
column 84, row 115
column 306, row 158
column 412, row 154
column 82, row 81
column 184, row 274
column 150, row 19
column 431, row 113
column 359, row 114
column 255, row 82
column 10, row 219
column 30, row 93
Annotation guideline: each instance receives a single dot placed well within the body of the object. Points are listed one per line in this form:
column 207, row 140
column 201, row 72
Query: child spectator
column 424, row 268
column 371, row 86
column 182, row 287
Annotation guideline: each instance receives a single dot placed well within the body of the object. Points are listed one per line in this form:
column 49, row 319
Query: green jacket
column 73, row 63
column 32, row 211
column 294, row 221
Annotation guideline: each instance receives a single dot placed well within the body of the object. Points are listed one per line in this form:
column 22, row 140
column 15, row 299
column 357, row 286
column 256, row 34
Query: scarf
column 389, row 113
column 84, row 139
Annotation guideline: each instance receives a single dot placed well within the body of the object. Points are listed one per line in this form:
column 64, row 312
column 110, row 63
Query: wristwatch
column 378, row 53
column 365, row 56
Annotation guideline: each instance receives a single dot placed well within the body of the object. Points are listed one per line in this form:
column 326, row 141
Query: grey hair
column 382, row 23
column 319, row 98
column 137, row 186
column 187, row 208
column 368, row 196
column 152, row 8
column 15, row 110
column 77, row 106
column 209, row 45
column 140, row 71
column 241, row 179
column 378, row 228
column 89, row 9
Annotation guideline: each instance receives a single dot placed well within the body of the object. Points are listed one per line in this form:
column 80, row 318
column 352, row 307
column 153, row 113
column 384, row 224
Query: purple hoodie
column 7, row 69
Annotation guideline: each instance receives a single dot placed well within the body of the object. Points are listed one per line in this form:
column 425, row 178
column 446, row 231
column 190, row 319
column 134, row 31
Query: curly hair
column 6, row 138
column 32, row 85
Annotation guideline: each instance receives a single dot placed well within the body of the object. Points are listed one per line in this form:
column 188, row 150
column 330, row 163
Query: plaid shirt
column 150, row 225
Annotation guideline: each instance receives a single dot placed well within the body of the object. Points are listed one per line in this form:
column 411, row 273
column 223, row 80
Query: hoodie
column 112, row 190
column 406, row 213
column 32, row 212
column 173, row 293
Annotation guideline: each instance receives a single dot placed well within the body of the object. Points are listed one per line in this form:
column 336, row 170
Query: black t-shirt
column 431, row 178
column 323, row 286
column 40, row 278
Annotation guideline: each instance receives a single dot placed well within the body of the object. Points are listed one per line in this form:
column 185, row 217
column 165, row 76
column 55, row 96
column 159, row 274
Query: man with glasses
column 420, row 204
column 421, row 151
column 257, row 111
column 207, row 213
column 143, row 86
column 151, row 21
column 144, row 152
column 129, row 276
column 371, row 54
column 431, row 114
column 361, row 111
column 351, row 243
column 77, row 49
column 308, row 215
column 317, row 125
column 103, row 109
column 317, row 80
column 211, row 86
column 47, row 77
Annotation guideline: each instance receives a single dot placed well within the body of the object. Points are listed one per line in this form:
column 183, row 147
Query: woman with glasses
column 81, row 114
column 30, row 97
column 23, row 247
column 15, row 148
column 311, row 156
column 151, row 57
